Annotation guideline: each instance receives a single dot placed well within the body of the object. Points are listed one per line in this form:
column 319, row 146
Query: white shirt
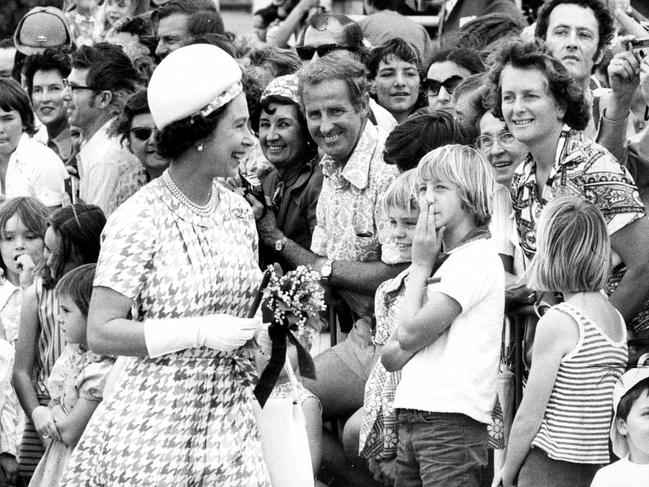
column 622, row 473
column 102, row 160
column 457, row 373
column 35, row 170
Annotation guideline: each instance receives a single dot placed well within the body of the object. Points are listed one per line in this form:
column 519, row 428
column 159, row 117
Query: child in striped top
column 560, row 433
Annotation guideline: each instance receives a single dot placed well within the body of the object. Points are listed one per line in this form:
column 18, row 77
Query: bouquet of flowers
column 296, row 299
column 292, row 302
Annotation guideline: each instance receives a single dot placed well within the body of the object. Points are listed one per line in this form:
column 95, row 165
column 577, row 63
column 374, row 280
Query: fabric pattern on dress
column 77, row 374
column 379, row 422
column 586, row 169
column 184, row 418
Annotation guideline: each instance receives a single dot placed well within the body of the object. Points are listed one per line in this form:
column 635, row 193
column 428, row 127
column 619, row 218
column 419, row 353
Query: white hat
column 194, row 79
column 628, row 380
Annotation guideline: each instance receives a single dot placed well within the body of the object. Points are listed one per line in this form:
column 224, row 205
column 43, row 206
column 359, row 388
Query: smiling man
column 577, row 33
column 101, row 77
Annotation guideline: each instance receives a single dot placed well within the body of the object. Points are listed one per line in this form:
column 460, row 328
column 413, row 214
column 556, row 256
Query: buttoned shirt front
column 352, row 222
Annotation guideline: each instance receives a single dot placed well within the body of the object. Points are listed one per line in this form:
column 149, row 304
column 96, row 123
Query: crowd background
column 454, row 185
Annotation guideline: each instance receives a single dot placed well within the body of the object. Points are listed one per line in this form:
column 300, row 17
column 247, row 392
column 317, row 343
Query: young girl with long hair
column 77, row 379
column 560, row 433
column 71, row 240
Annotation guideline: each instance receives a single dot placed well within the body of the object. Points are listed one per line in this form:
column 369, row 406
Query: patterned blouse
column 582, row 168
column 352, row 223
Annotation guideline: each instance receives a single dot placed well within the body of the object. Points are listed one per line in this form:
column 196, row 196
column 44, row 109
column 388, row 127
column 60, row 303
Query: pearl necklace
column 205, row 210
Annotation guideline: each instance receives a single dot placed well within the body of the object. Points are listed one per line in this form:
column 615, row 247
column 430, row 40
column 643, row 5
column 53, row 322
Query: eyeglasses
column 142, row 133
column 305, row 53
column 67, row 84
column 486, row 142
column 432, row 86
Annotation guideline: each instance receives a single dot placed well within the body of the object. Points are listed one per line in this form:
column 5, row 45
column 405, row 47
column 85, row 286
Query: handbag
column 284, row 440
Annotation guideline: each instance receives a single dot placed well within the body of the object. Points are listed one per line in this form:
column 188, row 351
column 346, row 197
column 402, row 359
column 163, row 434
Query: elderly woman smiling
column 544, row 109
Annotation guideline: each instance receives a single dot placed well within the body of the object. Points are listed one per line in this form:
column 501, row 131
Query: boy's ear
column 621, row 426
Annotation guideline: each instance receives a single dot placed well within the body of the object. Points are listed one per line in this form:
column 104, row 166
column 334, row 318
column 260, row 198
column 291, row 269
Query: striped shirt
column 50, row 340
column 576, row 422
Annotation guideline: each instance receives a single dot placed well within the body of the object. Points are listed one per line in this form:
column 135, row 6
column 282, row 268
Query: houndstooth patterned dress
column 184, row 419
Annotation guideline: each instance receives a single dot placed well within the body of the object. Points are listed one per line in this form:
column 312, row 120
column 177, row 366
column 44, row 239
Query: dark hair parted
column 137, row 104
column 180, row 135
column 468, row 59
column 48, row 60
column 418, row 135
column 77, row 284
column 628, row 399
column 393, row 48
column 13, row 97
column 606, row 28
column 284, row 61
column 108, row 67
column 561, row 85
column 484, row 30
column 185, row 7
column 79, row 228
column 30, row 211
column 336, row 66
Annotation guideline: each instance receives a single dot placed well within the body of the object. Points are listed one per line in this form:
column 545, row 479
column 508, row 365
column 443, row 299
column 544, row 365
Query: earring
column 199, row 147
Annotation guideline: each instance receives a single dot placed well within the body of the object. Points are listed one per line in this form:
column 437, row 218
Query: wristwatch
column 325, row 272
column 280, row 244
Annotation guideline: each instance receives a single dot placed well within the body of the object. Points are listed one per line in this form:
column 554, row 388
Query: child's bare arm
column 72, row 426
column 26, row 350
column 393, row 357
column 556, row 335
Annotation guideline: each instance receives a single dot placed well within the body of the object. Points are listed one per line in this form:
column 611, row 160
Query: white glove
column 219, row 332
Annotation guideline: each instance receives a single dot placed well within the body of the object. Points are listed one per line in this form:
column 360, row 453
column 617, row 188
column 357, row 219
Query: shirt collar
column 357, row 169
column 97, row 140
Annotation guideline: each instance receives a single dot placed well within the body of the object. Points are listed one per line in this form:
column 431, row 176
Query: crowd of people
column 153, row 164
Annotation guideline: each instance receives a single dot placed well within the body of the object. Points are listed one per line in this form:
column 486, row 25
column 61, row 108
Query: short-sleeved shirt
column 457, row 373
column 352, row 223
column 582, row 168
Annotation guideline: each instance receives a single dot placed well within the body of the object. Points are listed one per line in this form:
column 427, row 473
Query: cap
column 283, row 87
column 192, row 80
column 40, row 28
column 627, row 381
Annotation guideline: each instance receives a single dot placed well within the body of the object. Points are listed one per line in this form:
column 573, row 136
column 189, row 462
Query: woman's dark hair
column 484, row 30
column 49, row 60
column 13, row 97
column 31, row 212
column 137, row 104
column 77, row 284
column 79, row 227
column 265, row 106
column 177, row 137
column 606, row 28
column 561, row 85
column 468, row 59
column 419, row 134
column 284, row 61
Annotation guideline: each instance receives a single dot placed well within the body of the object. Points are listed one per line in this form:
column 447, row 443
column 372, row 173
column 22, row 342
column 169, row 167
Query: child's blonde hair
column 77, row 284
column 403, row 193
column 573, row 249
column 464, row 167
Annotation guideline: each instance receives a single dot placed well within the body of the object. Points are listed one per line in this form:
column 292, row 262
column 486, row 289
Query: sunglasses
column 305, row 53
column 142, row 133
column 432, row 86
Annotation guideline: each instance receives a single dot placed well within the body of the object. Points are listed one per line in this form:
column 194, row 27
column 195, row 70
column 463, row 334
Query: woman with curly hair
column 545, row 109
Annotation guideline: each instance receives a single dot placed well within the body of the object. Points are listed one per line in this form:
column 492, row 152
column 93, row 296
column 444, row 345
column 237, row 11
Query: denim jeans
column 440, row 450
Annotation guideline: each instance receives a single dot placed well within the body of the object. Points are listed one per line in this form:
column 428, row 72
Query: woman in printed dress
column 174, row 282
column 544, row 109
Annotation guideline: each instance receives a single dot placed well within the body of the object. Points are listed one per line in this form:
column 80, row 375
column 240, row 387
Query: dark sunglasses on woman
column 432, row 86
column 142, row 133
column 305, row 53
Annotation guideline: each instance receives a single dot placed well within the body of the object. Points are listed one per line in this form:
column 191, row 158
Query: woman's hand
column 44, row 423
column 428, row 240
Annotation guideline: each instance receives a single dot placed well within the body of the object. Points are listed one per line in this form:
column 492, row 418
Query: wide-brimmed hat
column 627, row 381
column 192, row 80
column 40, row 28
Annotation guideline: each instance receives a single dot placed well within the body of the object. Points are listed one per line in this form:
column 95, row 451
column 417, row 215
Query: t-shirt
column 622, row 473
column 457, row 372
